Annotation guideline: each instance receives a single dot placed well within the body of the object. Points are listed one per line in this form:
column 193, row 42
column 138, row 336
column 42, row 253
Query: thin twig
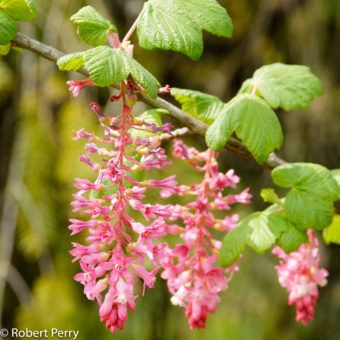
column 193, row 124
column 131, row 30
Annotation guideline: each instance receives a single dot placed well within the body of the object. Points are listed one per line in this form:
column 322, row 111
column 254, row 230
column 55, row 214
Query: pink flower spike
column 75, row 86
column 300, row 273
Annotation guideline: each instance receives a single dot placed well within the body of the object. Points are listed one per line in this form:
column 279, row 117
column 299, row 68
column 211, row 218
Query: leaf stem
column 131, row 30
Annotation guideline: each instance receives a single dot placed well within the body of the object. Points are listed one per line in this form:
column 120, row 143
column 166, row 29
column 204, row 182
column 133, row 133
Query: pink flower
column 300, row 273
column 149, row 278
column 85, row 159
column 75, row 86
column 167, row 185
column 84, row 184
column 78, row 225
column 116, row 303
column 83, row 134
column 229, row 222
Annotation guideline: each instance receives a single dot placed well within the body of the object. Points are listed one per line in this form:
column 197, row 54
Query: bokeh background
column 39, row 161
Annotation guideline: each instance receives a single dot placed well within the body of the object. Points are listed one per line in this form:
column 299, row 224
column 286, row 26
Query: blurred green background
column 39, row 161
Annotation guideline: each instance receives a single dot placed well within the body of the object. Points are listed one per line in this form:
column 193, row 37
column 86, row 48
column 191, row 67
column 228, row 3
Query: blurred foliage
column 36, row 123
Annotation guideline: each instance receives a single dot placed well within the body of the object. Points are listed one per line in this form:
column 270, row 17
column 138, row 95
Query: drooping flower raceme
column 118, row 247
column 300, row 273
column 193, row 278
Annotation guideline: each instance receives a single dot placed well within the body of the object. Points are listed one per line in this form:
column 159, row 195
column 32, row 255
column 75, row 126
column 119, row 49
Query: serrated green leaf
column 233, row 245
column 309, row 203
column 209, row 15
column 202, row 106
column 289, row 238
column 161, row 27
column 336, row 175
column 108, row 66
column 23, row 10
column 290, row 87
column 71, row 62
column 220, row 130
column 260, row 237
column 4, row 49
column 105, row 65
column 8, row 28
column 253, row 121
column 177, row 25
column 332, row 233
column 142, row 76
column 93, row 28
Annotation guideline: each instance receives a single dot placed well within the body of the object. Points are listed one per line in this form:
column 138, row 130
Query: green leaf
column 233, row 245
column 332, row 233
column 260, row 237
column 336, row 176
column 23, row 10
column 8, row 28
column 162, row 27
column 92, row 27
column 309, row 203
column 4, row 49
column 289, row 238
column 204, row 107
column 177, row 25
column 71, row 62
column 106, row 66
column 209, row 15
column 253, row 121
column 142, row 76
column 220, row 130
column 290, row 87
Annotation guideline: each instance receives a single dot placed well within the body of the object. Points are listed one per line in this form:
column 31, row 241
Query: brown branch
column 193, row 124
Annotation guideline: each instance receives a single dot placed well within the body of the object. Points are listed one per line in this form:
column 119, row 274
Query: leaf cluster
column 10, row 12
column 308, row 204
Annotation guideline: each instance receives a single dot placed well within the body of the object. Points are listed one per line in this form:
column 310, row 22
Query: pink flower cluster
column 190, row 268
column 117, row 246
column 300, row 273
column 120, row 248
